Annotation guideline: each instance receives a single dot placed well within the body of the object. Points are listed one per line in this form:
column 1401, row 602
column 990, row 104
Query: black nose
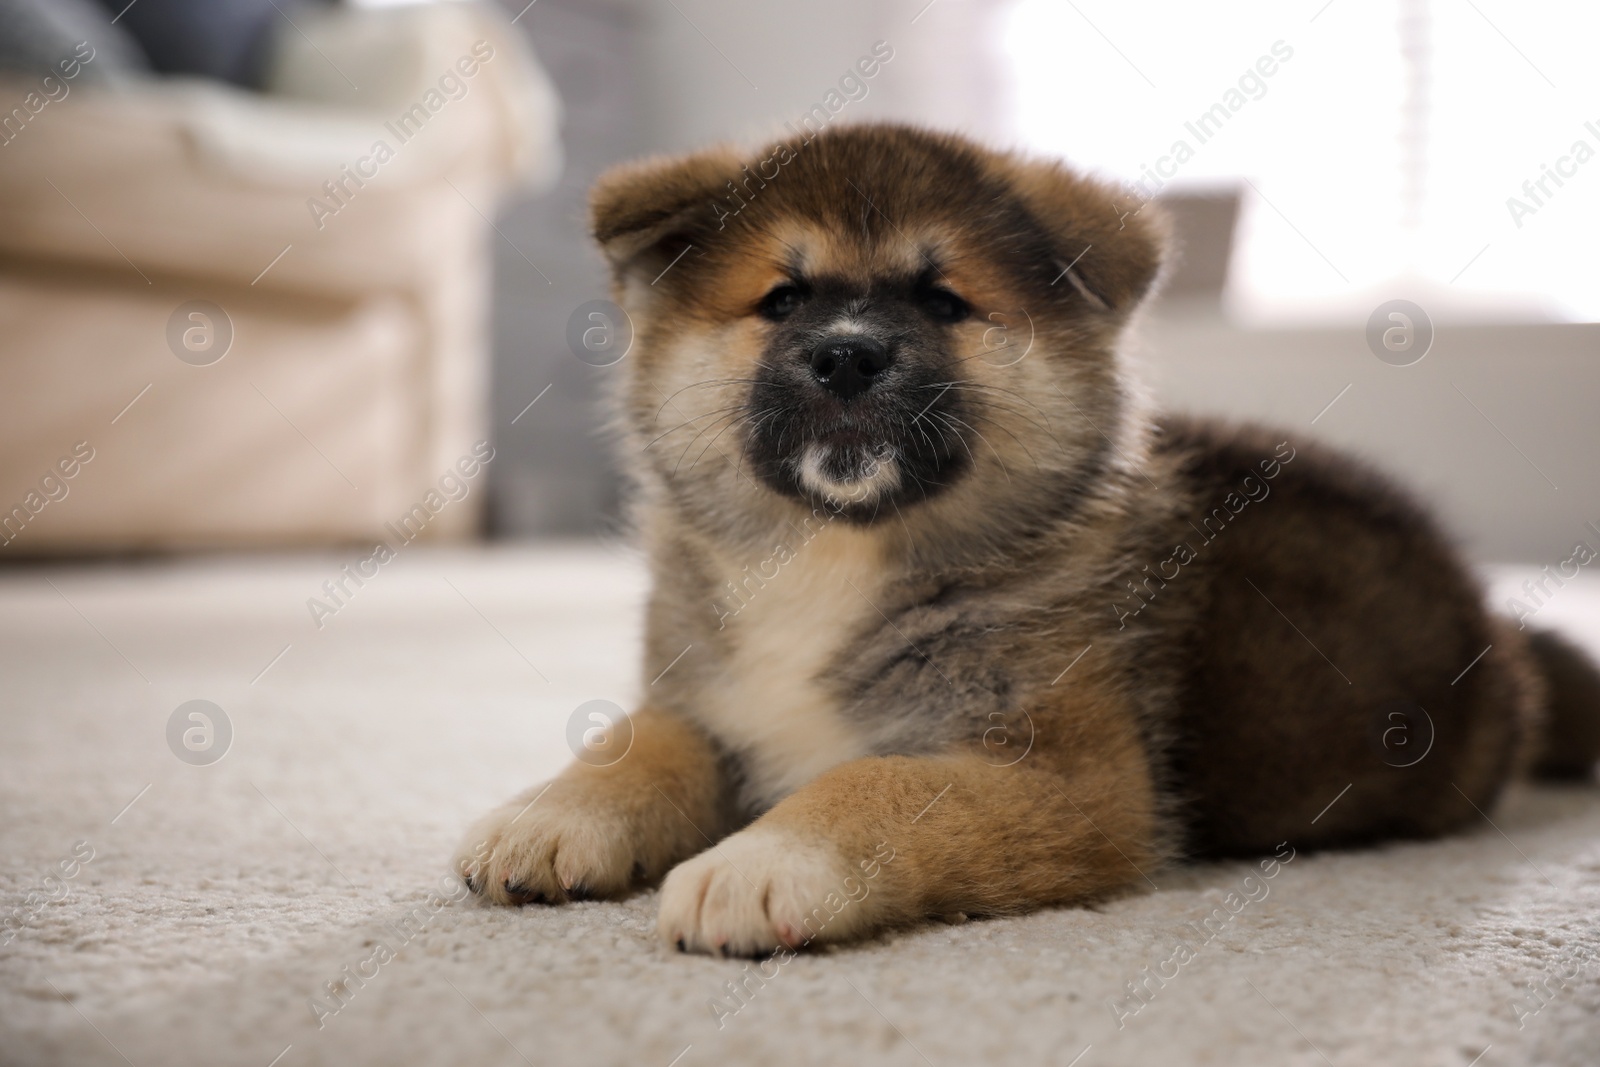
column 847, row 366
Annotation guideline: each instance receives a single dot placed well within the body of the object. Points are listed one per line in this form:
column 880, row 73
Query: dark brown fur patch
column 1336, row 629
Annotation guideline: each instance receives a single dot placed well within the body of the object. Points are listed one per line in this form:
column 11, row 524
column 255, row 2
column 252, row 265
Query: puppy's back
column 1342, row 650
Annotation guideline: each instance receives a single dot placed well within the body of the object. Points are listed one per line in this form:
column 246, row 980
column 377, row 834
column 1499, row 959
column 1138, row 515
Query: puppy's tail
column 1570, row 745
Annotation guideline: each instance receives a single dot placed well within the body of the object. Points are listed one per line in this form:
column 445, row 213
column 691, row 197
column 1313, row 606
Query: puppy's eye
column 782, row 302
column 942, row 305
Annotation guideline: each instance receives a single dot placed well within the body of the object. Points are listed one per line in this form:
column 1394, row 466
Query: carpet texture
column 203, row 908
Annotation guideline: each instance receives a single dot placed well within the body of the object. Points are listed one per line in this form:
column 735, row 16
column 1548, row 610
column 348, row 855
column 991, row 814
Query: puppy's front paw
column 762, row 889
column 548, row 847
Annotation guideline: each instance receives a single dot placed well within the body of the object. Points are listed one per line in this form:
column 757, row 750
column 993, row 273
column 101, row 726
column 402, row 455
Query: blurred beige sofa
column 341, row 224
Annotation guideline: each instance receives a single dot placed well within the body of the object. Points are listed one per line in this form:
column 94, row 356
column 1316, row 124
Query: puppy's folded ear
column 643, row 215
column 1106, row 245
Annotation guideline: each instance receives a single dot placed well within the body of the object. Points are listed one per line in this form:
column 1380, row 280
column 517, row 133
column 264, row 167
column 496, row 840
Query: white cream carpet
column 223, row 897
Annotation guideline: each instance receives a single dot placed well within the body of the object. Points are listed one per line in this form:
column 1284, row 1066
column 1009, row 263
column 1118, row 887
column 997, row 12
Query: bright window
column 1382, row 148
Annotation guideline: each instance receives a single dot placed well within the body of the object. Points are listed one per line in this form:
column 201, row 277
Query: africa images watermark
column 455, row 484
column 1251, row 85
column 1556, row 978
column 742, row 592
column 852, row 890
column 1143, row 990
column 1538, row 191
column 352, row 178
column 52, row 890
column 1540, row 591
column 339, row 991
column 52, row 90
column 53, row 488
column 852, row 87
column 1251, row 490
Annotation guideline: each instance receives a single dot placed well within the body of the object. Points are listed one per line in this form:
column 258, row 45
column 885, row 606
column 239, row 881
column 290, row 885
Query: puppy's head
column 880, row 320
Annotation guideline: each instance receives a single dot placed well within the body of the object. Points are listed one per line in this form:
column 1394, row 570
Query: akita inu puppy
column 969, row 629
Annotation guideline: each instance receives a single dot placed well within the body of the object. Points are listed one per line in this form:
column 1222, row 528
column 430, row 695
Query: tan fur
column 781, row 640
column 599, row 830
column 1074, row 821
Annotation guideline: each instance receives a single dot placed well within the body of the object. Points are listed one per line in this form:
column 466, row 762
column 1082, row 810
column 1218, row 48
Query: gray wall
column 1498, row 427
column 553, row 473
